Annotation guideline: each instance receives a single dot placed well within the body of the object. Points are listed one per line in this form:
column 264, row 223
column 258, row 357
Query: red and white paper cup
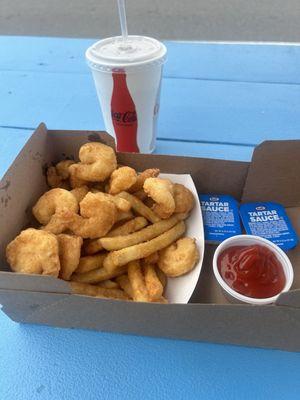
column 127, row 76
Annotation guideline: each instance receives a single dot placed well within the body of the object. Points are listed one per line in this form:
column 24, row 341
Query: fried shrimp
column 52, row 202
column 179, row 258
column 34, row 252
column 148, row 173
column 122, row 179
column 69, row 254
column 161, row 191
column 184, row 199
column 121, row 204
column 98, row 161
column 95, row 220
column 57, row 176
column 80, row 192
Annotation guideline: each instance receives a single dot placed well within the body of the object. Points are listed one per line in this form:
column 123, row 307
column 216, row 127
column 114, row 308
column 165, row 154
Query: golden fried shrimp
column 57, row 176
column 95, row 220
column 179, row 258
column 53, row 179
column 161, row 191
column 75, row 182
column 148, row 173
column 34, row 252
column 121, row 179
column 69, row 254
column 122, row 204
column 52, row 202
column 80, row 192
column 184, row 199
column 98, row 161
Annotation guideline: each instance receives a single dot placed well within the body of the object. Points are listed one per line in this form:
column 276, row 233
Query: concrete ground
column 250, row 20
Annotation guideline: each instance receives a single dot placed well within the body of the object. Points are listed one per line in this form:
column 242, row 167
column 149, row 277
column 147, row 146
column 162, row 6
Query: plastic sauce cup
column 244, row 240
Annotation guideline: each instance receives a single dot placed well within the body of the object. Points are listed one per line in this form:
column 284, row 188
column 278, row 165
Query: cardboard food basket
column 272, row 175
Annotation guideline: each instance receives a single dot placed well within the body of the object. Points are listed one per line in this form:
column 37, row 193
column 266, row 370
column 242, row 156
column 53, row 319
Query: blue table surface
column 218, row 100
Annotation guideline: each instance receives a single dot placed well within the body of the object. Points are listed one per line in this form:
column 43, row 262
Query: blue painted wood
column 81, row 364
column 12, row 140
column 41, row 363
column 213, row 111
column 215, row 61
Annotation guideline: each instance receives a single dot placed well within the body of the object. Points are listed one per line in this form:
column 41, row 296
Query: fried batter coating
column 148, row 173
column 98, row 161
column 69, row 254
column 184, row 199
column 75, row 182
column 121, row 179
column 162, row 192
column 179, row 258
column 52, row 202
column 121, row 204
column 34, row 251
column 57, row 176
column 96, row 218
column 80, row 192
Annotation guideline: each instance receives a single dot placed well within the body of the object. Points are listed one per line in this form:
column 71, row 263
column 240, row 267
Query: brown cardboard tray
column 273, row 174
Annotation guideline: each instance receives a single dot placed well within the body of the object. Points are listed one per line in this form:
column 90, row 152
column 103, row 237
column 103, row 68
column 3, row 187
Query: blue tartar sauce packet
column 220, row 217
column 270, row 221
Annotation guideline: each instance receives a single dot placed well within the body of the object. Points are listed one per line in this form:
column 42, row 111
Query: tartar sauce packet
column 220, row 217
column 270, row 221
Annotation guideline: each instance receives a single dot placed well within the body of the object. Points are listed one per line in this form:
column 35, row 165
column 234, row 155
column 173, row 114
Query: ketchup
column 252, row 271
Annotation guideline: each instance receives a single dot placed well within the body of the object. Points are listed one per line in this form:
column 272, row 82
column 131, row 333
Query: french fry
column 98, row 275
column 135, row 224
column 88, row 263
column 121, row 257
column 109, row 284
column 140, row 207
column 125, row 284
column 137, row 281
column 153, row 283
column 124, row 216
column 162, row 277
column 140, row 194
column 162, row 300
column 96, row 291
column 150, row 232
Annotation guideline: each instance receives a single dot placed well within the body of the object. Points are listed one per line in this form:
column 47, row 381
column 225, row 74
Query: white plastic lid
column 136, row 51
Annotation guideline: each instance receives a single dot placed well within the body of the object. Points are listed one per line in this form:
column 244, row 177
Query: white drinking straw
column 123, row 21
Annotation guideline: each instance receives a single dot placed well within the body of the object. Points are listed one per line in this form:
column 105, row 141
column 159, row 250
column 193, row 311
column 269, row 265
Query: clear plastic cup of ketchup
column 252, row 270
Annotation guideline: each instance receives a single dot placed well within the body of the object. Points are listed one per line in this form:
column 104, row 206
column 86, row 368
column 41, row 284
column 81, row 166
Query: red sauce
column 253, row 271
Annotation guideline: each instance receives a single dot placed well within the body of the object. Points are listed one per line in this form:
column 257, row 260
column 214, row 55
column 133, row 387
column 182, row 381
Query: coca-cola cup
column 127, row 76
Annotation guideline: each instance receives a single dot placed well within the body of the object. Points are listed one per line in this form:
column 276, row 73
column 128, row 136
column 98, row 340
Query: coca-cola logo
column 127, row 117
